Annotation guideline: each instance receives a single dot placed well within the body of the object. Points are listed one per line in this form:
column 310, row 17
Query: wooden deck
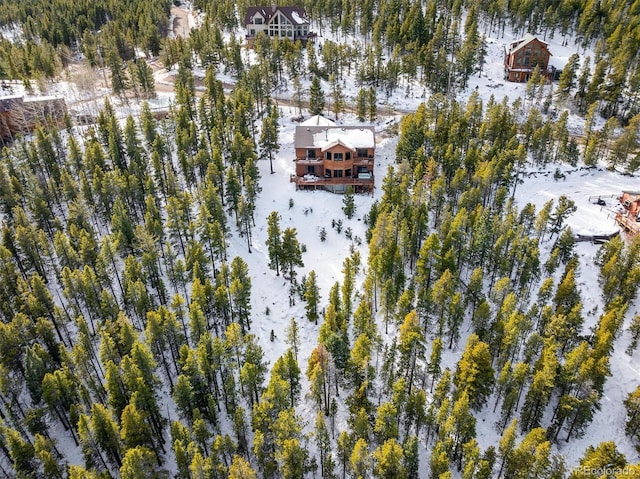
column 315, row 182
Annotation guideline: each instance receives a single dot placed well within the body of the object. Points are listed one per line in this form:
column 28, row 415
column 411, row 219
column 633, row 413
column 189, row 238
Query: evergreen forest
column 126, row 323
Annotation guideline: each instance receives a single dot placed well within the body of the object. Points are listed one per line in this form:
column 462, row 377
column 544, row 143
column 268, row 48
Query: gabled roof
column 337, row 142
column 523, row 42
column 326, row 137
column 318, row 120
column 295, row 15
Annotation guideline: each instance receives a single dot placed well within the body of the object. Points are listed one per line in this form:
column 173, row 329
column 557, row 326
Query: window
column 337, row 174
column 347, row 173
column 526, row 61
column 362, row 152
column 289, row 33
column 252, row 31
column 327, row 155
column 311, row 153
column 337, row 157
column 347, row 155
column 327, row 173
column 257, row 21
column 311, row 170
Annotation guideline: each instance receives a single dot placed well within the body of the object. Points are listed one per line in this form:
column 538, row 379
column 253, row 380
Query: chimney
column 273, row 8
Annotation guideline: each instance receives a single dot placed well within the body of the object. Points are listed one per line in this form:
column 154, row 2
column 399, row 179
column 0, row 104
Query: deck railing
column 321, row 181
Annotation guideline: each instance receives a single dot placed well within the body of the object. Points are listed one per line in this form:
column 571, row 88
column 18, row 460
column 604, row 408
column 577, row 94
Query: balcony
column 311, row 180
column 309, row 161
column 357, row 161
column 362, row 161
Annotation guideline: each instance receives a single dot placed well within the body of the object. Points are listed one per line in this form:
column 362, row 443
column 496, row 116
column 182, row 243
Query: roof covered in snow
column 295, row 15
column 523, row 42
column 318, row 120
column 325, row 137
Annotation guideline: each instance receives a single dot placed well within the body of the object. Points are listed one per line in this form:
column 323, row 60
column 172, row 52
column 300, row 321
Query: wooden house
column 523, row 55
column 278, row 22
column 21, row 115
column 628, row 216
column 334, row 157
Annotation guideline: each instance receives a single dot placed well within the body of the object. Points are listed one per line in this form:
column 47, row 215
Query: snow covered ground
column 314, row 210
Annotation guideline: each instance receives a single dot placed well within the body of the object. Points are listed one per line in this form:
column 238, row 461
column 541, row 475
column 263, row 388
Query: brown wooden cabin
column 523, row 55
column 629, row 215
column 334, row 157
column 19, row 115
column 278, row 22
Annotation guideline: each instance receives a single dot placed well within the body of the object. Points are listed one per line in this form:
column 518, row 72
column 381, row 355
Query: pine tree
column 106, row 432
column 119, row 80
column 388, row 461
column 323, row 442
column 632, row 424
column 634, row 329
column 274, row 241
column 474, row 373
column 291, row 255
column 360, row 459
column 312, row 297
column 604, row 457
column 361, row 104
column 507, row 445
column 293, row 458
column 144, row 76
column 439, row 461
column 542, row 384
column 412, row 348
column 568, row 77
column 316, row 97
column 348, row 201
column 337, row 95
column 241, row 469
column 287, row 368
column 372, row 103
column 138, row 462
column 269, row 135
column 344, row 447
column 564, row 209
column 240, row 293
column 53, row 463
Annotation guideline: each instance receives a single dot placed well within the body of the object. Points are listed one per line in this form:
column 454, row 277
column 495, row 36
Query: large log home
column 523, row 56
column 278, row 22
column 334, row 157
